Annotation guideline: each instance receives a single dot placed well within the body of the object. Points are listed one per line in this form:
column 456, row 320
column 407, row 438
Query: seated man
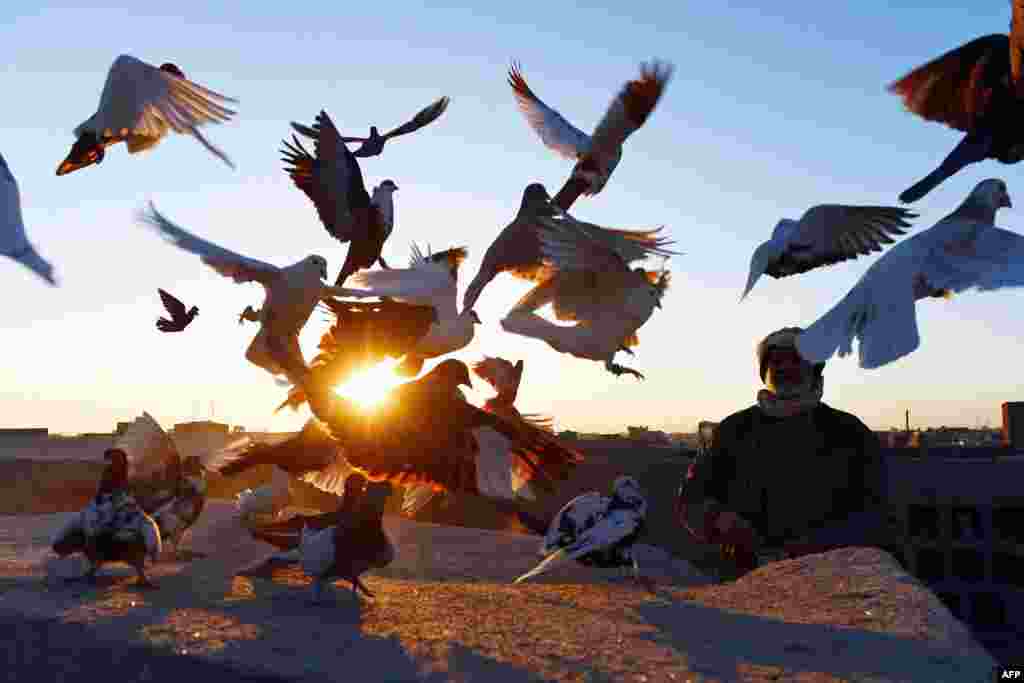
column 788, row 474
column 114, row 508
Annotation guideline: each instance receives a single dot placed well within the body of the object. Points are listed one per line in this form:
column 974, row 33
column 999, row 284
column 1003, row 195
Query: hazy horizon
column 769, row 112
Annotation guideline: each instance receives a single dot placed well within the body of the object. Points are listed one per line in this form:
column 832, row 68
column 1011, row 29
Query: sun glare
column 372, row 386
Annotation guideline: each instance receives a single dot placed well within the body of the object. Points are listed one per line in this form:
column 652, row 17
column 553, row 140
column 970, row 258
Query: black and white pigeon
column 14, row 243
column 374, row 144
column 825, row 234
column 597, row 531
column 598, row 154
column 965, row 250
column 977, row 88
column 180, row 317
column 351, row 548
column 334, row 183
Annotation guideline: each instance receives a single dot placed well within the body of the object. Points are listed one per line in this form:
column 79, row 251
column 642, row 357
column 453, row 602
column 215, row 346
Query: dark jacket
column 786, row 476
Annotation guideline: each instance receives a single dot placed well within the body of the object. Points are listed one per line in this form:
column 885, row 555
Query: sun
column 372, row 386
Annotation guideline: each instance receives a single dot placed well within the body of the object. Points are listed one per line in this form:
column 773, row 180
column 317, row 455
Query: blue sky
column 769, row 112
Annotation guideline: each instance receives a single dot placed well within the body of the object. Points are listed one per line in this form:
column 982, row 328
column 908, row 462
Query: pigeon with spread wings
column 977, row 88
column 292, row 293
column 14, row 243
column 825, row 234
column 374, row 144
column 180, row 316
column 597, row 531
column 430, row 280
column 517, row 249
column 334, row 183
column 502, row 473
column 598, row 154
column 593, row 286
column 965, row 250
column 139, row 105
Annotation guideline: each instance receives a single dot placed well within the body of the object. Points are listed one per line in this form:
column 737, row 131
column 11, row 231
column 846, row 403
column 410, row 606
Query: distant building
column 201, row 427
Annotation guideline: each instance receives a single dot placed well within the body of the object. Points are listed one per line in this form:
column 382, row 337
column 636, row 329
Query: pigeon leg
column 974, row 147
column 619, row 370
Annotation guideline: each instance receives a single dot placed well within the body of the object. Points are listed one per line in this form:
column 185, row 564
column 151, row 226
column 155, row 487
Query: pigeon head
column 194, row 311
column 388, row 185
column 763, row 257
column 452, row 372
column 992, row 193
column 535, row 194
column 172, row 69
column 320, row 263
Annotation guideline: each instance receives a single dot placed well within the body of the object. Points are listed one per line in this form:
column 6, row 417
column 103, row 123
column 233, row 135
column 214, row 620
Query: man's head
column 782, row 369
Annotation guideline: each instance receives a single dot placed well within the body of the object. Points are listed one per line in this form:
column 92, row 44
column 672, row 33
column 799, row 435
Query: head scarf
column 800, row 401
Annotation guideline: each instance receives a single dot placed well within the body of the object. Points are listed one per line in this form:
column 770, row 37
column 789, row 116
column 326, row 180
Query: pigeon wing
column 13, row 240
column 554, row 130
column 995, row 260
column 629, row 111
column 425, row 116
column 173, row 305
column 224, row 261
column 955, row 88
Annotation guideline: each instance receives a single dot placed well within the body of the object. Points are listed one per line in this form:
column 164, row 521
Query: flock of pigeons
column 583, row 270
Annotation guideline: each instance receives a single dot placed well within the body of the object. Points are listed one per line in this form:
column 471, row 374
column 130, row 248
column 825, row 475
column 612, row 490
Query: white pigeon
column 13, row 242
column 139, row 105
column 596, row 530
column 593, row 286
column 825, row 234
column 965, row 250
column 430, row 280
column 598, row 154
column 291, row 295
column 266, row 502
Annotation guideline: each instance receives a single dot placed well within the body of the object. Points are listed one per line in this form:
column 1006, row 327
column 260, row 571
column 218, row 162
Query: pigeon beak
column 657, row 303
column 1006, row 201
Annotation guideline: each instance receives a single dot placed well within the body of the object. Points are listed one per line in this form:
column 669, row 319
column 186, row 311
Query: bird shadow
column 729, row 645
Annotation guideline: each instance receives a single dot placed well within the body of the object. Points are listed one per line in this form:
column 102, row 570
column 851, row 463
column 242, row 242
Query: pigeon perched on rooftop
column 374, row 144
column 13, row 242
column 597, row 531
column 965, row 250
column 517, row 248
column 598, row 154
column 593, row 286
column 351, row 548
column 180, row 317
column 334, row 183
column 430, row 280
column 977, row 88
column 292, row 293
column 139, row 105
column 825, row 234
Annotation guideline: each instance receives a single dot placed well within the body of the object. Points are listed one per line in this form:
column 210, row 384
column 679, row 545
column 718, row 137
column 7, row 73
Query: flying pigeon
column 13, row 242
column 374, row 145
column 430, row 280
column 140, row 103
column 965, row 250
column 334, row 183
column 598, row 154
column 502, row 474
column 348, row 550
column 180, row 318
column 364, row 334
column 594, row 287
column 978, row 88
column 517, row 249
column 286, row 535
column 249, row 314
column 292, row 293
column 825, row 234
column 152, row 456
column 597, row 531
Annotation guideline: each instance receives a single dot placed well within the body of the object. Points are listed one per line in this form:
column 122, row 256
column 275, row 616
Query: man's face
column 785, row 369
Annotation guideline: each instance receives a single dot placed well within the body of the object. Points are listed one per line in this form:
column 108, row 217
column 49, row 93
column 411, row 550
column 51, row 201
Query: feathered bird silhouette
column 598, row 154
column 180, row 317
column 334, row 183
column 14, row 243
column 978, row 88
column 374, row 144
column 139, row 105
